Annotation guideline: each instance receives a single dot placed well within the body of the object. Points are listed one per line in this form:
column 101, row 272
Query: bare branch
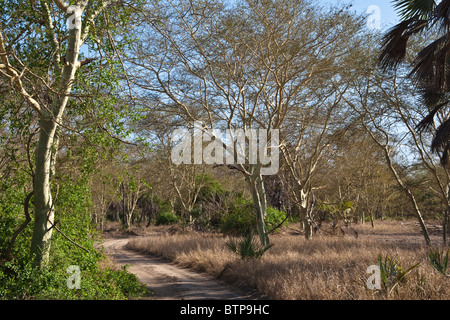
column 14, row 76
column 61, row 5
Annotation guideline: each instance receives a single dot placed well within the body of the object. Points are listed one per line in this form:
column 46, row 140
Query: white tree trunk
column 44, row 213
column 256, row 185
column 49, row 122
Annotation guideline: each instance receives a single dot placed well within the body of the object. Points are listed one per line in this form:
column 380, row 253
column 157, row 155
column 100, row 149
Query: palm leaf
column 442, row 13
column 393, row 49
column 402, row 276
column 431, row 70
column 441, row 141
column 428, row 121
column 431, row 65
column 419, row 9
column 439, row 261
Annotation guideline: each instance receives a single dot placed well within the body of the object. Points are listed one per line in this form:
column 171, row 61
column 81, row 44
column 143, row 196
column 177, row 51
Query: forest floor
column 178, row 263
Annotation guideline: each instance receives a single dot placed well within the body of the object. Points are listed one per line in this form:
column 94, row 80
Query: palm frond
column 393, row 49
column 419, row 9
column 439, row 261
column 431, row 65
column 442, row 13
column 431, row 99
column 441, row 141
column 428, row 121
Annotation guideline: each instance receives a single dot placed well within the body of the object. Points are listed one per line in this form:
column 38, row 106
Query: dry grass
column 328, row 267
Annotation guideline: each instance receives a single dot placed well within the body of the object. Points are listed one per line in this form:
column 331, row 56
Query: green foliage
column 209, row 186
column 91, row 125
column 274, row 217
column 20, row 280
column 166, row 218
column 247, row 246
column 392, row 272
column 240, row 219
column 11, row 217
column 439, row 261
column 337, row 210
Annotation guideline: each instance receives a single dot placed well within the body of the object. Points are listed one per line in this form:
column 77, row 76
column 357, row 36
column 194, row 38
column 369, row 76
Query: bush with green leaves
column 20, row 279
column 240, row 219
column 12, row 195
column 166, row 218
column 274, row 218
column 336, row 210
column 209, row 186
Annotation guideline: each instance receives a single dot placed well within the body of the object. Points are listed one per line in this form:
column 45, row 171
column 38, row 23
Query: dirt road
column 166, row 280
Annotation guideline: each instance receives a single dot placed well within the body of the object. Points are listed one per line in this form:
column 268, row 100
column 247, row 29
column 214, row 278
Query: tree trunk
column 256, row 184
column 43, row 205
column 126, row 217
column 371, row 219
column 446, row 217
column 308, row 227
column 261, row 223
column 410, row 196
column 446, row 228
column 45, row 158
column 304, row 211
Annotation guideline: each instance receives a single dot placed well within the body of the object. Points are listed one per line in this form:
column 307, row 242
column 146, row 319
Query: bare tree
column 410, row 114
column 383, row 128
column 313, row 130
column 244, row 66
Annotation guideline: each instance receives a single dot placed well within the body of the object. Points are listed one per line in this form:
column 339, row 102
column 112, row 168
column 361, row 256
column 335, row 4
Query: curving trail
column 167, row 281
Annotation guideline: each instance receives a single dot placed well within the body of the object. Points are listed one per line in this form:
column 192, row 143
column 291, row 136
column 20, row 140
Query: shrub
column 20, row 280
column 274, row 217
column 240, row 220
column 166, row 218
column 209, row 186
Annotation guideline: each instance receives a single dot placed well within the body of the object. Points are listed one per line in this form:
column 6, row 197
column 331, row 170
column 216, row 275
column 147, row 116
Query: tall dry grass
column 326, row 267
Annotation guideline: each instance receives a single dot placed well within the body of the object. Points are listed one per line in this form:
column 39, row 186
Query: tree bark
column 45, row 157
column 43, row 205
column 304, row 211
column 256, row 185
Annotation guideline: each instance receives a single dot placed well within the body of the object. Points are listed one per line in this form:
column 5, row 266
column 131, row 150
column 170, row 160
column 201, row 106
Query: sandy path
column 166, row 280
